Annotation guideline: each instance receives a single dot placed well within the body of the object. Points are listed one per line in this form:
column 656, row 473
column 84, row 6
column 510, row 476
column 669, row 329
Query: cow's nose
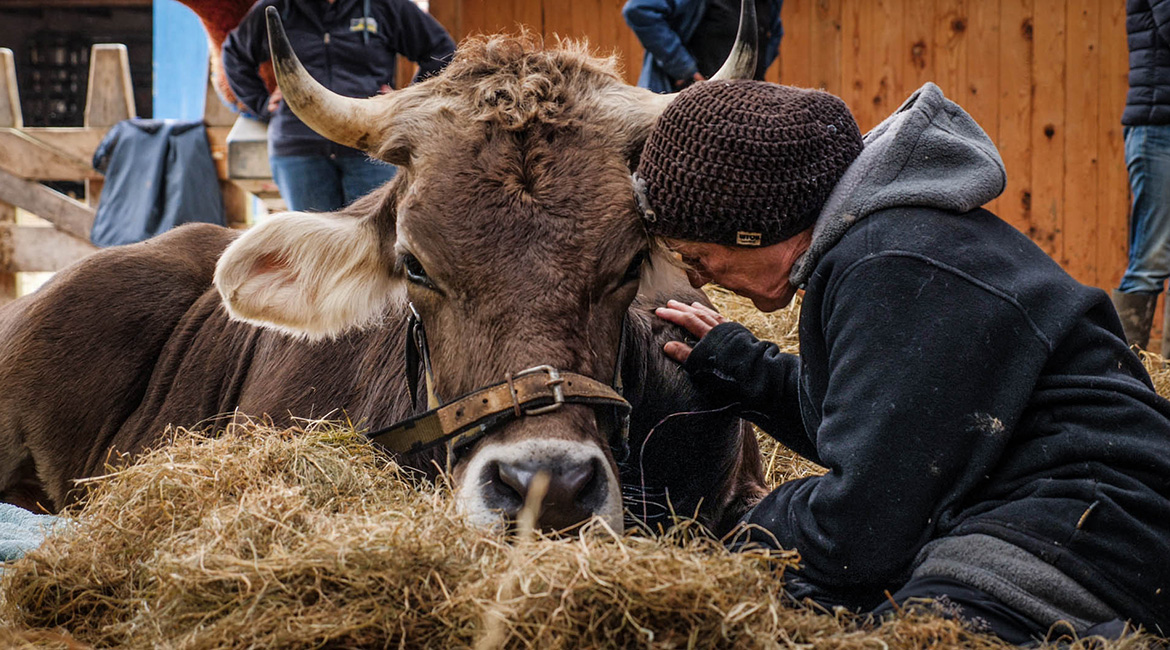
column 575, row 490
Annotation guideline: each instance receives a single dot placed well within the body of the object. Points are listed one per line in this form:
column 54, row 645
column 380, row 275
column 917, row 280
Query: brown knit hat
column 745, row 163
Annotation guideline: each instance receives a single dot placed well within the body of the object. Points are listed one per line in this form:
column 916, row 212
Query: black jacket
column 954, row 380
column 1147, row 26
column 350, row 46
column 159, row 175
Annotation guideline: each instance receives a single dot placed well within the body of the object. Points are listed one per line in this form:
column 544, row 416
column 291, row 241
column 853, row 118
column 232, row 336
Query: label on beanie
column 748, row 238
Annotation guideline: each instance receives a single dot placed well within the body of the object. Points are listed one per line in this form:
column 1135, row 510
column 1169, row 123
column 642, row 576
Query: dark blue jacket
column 350, row 46
column 957, row 384
column 1147, row 26
column 159, row 174
column 665, row 26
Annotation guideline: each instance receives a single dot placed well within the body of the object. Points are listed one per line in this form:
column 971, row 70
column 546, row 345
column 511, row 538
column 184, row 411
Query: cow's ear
column 311, row 275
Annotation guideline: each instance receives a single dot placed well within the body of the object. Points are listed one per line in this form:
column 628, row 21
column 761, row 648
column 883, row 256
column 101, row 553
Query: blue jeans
column 1147, row 156
column 324, row 184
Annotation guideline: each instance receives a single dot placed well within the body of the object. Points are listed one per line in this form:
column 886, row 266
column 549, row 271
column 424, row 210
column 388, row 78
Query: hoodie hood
column 929, row 153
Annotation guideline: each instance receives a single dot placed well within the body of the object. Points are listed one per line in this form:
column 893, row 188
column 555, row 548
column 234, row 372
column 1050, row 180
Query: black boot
column 1137, row 315
column 1165, row 329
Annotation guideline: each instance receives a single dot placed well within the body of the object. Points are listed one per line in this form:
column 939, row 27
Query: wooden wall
column 1045, row 78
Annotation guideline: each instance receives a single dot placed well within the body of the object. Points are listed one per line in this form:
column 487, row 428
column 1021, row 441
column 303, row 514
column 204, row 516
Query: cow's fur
column 514, row 193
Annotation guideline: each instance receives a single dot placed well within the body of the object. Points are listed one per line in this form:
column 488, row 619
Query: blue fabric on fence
column 22, row 531
column 159, row 174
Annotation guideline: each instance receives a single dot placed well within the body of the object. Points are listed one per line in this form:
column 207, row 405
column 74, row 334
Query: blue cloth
column 159, row 174
column 1147, row 28
column 1147, row 156
column 324, row 184
column 22, row 531
column 665, row 26
column 349, row 46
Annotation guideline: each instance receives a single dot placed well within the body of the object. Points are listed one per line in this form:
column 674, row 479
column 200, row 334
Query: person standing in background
column 1146, row 128
column 351, row 47
column 687, row 40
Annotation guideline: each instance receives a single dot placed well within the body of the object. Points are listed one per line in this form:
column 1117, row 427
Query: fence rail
column 29, row 155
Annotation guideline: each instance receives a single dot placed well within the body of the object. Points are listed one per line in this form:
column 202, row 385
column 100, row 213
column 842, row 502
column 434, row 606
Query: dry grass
column 307, row 539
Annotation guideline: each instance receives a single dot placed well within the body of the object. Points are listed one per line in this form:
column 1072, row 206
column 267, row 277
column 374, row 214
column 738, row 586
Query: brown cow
column 511, row 227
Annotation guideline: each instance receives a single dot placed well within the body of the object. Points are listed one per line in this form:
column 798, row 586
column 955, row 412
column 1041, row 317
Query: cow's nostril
column 566, row 487
column 576, row 489
column 516, row 477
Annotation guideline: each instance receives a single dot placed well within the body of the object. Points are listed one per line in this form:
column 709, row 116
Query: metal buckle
column 554, row 382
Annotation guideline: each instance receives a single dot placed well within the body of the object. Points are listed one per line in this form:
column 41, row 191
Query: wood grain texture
column 1046, row 79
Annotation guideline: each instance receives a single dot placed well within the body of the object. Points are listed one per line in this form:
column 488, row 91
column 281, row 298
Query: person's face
column 758, row 274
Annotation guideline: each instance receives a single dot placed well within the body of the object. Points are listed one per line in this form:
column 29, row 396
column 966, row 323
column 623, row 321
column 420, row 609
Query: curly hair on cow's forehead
column 517, row 80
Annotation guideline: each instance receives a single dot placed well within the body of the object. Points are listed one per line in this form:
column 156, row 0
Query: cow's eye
column 634, row 270
column 415, row 272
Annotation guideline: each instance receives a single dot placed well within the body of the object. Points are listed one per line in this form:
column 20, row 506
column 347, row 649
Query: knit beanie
column 743, row 163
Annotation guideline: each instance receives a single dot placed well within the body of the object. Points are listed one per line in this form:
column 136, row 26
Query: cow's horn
column 345, row 120
column 741, row 61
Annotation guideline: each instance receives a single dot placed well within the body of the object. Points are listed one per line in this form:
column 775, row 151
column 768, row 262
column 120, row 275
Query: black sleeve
column 731, row 366
column 244, row 49
column 929, row 372
column 420, row 38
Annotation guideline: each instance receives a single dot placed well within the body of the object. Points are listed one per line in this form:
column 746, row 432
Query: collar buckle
column 554, row 384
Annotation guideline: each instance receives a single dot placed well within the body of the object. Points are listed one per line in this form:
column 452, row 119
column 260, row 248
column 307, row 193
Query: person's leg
column 307, row 183
column 953, row 599
column 1147, row 157
column 361, row 175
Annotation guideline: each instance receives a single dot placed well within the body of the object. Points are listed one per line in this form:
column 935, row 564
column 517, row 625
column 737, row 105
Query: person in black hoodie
column 351, row 47
column 991, row 442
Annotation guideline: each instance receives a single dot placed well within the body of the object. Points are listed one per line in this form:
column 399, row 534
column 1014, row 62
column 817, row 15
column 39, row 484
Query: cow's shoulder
column 114, row 301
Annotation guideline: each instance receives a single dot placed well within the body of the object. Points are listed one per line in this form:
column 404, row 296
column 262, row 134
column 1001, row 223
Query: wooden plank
column 857, row 85
column 1015, row 111
column 1113, row 180
column 74, row 142
column 449, row 13
column 980, row 95
column 8, row 289
column 886, row 64
column 827, row 35
column 918, row 57
column 950, row 47
column 215, row 113
column 29, row 158
column 795, row 61
column 31, row 249
column 236, row 204
column 109, row 98
column 1078, row 250
column 10, row 114
column 68, row 215
column 1048, row 124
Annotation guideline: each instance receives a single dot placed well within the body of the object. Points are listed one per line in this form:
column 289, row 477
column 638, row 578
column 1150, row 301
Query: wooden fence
column 1045, row 78
column 29, row 155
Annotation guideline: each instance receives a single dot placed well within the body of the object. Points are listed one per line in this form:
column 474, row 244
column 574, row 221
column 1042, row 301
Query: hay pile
column 306, row 538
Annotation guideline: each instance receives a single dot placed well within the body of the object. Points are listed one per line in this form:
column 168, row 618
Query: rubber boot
column 1165, row 329
column 1137, row 316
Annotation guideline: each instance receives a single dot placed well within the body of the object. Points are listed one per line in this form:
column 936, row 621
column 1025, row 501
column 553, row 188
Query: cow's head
column 512, row 229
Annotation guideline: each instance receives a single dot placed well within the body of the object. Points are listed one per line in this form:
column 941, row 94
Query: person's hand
column 696, row 318
column 686, row 82
column 274, row 100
